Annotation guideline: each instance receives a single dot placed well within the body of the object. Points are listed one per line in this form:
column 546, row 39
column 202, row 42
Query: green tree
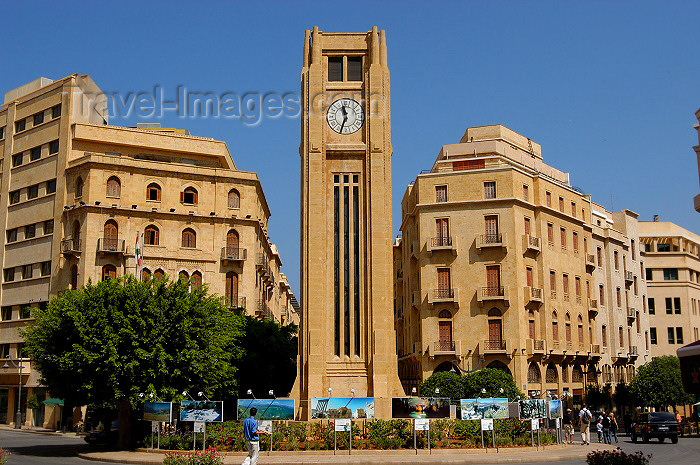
column 490, row 380
column 449, row 383
column 658, row 384
column 109, row 342
column 271, row 358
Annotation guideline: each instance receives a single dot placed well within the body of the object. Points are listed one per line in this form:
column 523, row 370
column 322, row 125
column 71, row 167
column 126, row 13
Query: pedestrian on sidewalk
column 252, row 440
column 585, row 416
column 599, row 428
column 606, row 429
column 568, row 427
column 613, row 427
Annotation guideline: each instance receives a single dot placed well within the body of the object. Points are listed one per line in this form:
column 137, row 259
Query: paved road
column 40, row 449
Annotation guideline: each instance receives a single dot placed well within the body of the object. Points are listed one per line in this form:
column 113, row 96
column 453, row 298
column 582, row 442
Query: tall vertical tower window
column 441, row 193
column 335, row 68
column 354, row 68
column 490, row 190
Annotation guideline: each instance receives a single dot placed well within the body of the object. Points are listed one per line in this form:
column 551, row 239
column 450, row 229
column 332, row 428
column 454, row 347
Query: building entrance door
column 445, row 335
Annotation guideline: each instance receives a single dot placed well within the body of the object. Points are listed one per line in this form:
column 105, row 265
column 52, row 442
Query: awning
column 53, row 401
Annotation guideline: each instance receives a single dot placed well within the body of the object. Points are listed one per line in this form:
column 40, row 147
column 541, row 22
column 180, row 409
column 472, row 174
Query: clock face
column 345, row 116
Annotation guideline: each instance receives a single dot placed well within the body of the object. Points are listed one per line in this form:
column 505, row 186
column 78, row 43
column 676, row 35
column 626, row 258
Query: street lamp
column 18, row 415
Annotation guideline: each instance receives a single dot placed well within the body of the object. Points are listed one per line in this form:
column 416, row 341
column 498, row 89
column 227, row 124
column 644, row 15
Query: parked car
column 659, row 425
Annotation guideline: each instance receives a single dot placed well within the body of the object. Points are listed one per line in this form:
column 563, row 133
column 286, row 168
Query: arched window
column 576, row 374
column 145, row 274
column 555, row 327
column 196, row 279
column 550, row 375
column 74, row 277
column 232, row 289
column 159, row 275
column 110, row 235
column 76, row 234
column 567, row 327
column 189, row 238
column 189, row 196
column 533, row 374
column 232, row 243
column 234, row 199
column 151, row 235
column 153, row 192
column 579, row 320
column 498, row 365
column 564, row 373
column 109, row 272
column 78, row 187
column 183, row 275
column 445, row 314
column 114, row 187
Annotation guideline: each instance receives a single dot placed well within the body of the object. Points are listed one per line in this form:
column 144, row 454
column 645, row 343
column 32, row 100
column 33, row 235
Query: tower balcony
column 484, row 241
column 70, row 247
column 631, row 313
column 233, row 255
column 444, row 348
column 534, row 346
column 590, row 261
column 497, row 293
column 532, row 243
column 108, row 245
column 592, row 307
column 235, row 302
column 443, row 295
column 493, row 346
column 442, row 243
column 533, row 296
column 414, row 250
column 629, row 277
column 263, row 311
column 634, row 352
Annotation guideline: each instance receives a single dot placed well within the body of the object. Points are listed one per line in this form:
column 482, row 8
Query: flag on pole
column 138, row 254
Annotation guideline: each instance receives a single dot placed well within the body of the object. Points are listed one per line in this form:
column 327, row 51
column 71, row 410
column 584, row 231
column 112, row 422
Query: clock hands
column 345, row 118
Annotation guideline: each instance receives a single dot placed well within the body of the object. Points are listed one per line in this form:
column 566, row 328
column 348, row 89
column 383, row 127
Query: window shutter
column 182, row 197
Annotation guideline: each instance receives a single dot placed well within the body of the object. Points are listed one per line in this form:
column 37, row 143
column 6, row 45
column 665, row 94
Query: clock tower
column 347, row 340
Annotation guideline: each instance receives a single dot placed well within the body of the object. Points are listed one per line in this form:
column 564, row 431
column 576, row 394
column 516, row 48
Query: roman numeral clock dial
column 345, row 116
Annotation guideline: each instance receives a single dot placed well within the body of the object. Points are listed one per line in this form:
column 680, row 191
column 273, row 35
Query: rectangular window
column 561, row 204
column 679, row 335
column 4, row 350
column 7, row 313
column 51, row 186
column 17, row 159
column 56, row 111
column 38, row 118
column 441, row 193
column 663, row 247
column 527, row 226
column 553, row 282
column 573, row 209
column 575, row 238
column 604, row 335
column 550, row 233
column 599, row 253
column 578, row 286
column 48, row 227
column 621, row 336
column 53, row 147
column 562, row 232
column 14, row 197
column 671, row 335
column 2, row 132
column 548, row 197
column 652, row 335
column 27, row 271
column 20, row 125
column 335, row 68
column 528, row 276
column 601, row 294
column 677, row 305
column 618, row 297
column 490, row 190
column 616, row 260
column 634, row 253
column 12, row 235
column 669, row 305
column 29, row 231
column 648, row 274
column 33, row 191
column 670, row 274
column 526, row 193
column 46, row 268
column 565, row 284
column 35, row 154
column 9, row 275
column 652, row 306
column 25, row 312
column 354, row 68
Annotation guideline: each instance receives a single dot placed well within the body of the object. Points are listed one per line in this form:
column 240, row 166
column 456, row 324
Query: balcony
column 595, row 350
column 415, row 250
column 263, row 266
column 443, row 295
column 107, row 245
column 533, row 296
column 534, row 346
column 70, row 247
column 592, row 308
column 235, row 302
column 492, row 293
column 443, row 348
column 590, row 261
column 532, row 243
column 233, row 254
column 416, row 299
column 493, row 346
column 633, row 352
column 263, row 311
column 442, row 243
column 490, row 240
column 629, row 277
column 631, row 313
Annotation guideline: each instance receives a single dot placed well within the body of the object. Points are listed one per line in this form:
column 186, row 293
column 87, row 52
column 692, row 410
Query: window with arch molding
column 533, row 374
column 576, row 374
column 145, row 274
column 114, row 187
column 189, row 238
column 109, row 272
column 445, row 314
column 183, row 275
column 78, row 187
column 564, row 373
column 151, row 235
column 159, row 275
column 189, row 196
column 196, row 279
column 495, row 312
column 234, row 199
column 153, row 192
column 550, row 375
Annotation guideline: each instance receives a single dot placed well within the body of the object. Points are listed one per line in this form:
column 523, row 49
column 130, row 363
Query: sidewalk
column 372, row 457
column 37, row 430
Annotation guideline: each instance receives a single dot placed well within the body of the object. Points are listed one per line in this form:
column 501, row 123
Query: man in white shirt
column 585, row 416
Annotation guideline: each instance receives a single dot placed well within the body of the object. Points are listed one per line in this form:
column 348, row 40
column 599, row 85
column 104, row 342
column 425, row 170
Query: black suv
column 660, row 425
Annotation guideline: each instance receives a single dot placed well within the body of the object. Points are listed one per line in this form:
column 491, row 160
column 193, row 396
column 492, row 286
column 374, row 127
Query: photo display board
column 268, row 409
column 493, row 407
column 343, row 424
column 342, row 407
column 531, row 409
column 157, row 411
column 420, row 407
column 469, row 409
column 202, row 410
column 555, row 409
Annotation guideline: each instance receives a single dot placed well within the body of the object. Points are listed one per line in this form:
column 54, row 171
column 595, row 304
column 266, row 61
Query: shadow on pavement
column 59, row 450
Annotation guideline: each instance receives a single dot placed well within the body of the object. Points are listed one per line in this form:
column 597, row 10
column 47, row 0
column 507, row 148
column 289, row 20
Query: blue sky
column 609, row 89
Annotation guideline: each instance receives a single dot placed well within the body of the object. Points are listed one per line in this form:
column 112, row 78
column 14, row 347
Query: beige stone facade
column 696, row 200
column 502, row 263
column 347, row 339
column 672, row 260
column 79, row 192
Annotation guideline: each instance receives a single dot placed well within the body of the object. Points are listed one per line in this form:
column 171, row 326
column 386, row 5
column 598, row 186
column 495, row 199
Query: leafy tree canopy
column 658, row 384
column 449, row 383
column 491, row 380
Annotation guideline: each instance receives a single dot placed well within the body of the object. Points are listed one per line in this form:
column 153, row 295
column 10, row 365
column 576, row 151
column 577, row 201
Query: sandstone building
column 76, row 194
column 696, row 200
column 672, row 258
column 502, row 263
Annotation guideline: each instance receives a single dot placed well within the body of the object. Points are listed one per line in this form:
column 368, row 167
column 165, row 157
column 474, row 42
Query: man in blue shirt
column 252, row 440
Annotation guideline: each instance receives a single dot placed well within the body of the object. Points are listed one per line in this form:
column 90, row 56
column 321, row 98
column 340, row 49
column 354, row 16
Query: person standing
column 606, row 429
column 613, row 427
column 568, row 427
column 252, row 440
column 585, row 416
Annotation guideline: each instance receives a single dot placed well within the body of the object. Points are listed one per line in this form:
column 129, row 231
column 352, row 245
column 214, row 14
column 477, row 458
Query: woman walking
column 613, row 427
